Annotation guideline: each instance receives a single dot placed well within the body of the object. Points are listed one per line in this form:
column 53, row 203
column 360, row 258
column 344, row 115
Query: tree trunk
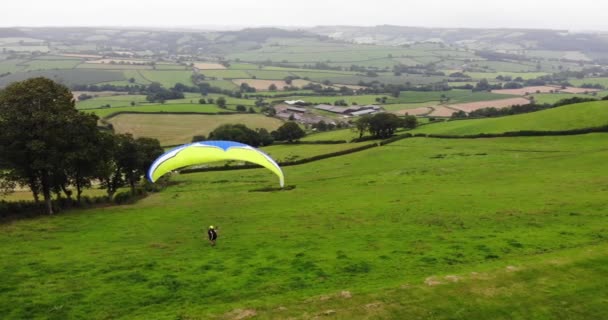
column 48, row 201
column 78, row 192
column 35, row 190
column 49, row 204
column 132, row 183
column 46, row 193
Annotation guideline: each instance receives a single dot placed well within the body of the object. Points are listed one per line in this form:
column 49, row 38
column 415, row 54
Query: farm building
column 363, row 112
column 295, row 102
column 296, row 109
column 305, row 118
column 350, row 110
column 330, row 108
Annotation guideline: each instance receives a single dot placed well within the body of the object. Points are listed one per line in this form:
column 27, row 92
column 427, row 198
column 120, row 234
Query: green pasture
column 11, row 66
column 113, row 101
column 580, row 82
column 34, row 65
column 167, row 78
column 68, row 77
column 420, row 227
column 291, row 152
column 168, row 107
column 269, row 74
column 226, row 74
column 110, row 66
column 222, row 84
column 341, row 134
column 504, row 66
column 493, row 75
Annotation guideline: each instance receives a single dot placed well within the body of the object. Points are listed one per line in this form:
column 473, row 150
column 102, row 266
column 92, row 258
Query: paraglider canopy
column 211, row 151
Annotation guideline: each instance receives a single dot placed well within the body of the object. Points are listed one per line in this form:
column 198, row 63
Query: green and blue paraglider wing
column 211, row 151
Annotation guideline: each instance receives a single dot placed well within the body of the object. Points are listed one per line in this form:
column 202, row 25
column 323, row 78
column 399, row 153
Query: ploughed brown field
column 528, row 90
column 208, row 66
column 578, row 90
column 262, row 85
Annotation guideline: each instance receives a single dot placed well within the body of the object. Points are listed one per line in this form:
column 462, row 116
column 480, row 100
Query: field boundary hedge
column 520, row 133
column 284, row 163
column 312, row 142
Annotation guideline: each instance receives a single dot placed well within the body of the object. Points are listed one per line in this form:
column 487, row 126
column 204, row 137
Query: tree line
column 50, row 147
column 259, row 137
column 383, row 125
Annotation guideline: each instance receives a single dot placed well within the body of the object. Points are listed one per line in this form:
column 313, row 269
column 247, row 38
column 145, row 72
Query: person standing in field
column 212, row 234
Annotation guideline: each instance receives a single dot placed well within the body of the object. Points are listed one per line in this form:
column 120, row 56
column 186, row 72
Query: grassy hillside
column 432, row 208
column 583, row 115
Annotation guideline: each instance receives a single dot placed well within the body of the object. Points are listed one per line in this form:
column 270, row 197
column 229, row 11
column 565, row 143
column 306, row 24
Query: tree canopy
column 49, row 146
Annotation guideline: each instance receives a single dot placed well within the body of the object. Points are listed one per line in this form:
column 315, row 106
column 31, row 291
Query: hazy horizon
column 587, row 15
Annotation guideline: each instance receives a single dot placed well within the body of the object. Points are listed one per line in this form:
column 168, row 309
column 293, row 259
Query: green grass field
column 168, row 107
column 113, row 101
column 12, row 66
column 167, row 78
column 297, row 152
column 342, row 134
column 226, row 74
column 422, row 227
column 108, row 66
column 269, row 74
column 34, row 65
column 580, row 82
column 493, row 75
column 68, row 77
column 172, row 129
column 574, row 116
column 222, row 84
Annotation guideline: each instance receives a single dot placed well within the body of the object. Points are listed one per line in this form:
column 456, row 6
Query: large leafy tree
column 87, row 156
column 236, row 132
column 134, row 157
column 289, row 131
column 34, row 115
column 383, row 125
column 362, row 125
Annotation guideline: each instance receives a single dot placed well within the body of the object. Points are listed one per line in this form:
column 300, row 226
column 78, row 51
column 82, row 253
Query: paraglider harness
column 212, row 234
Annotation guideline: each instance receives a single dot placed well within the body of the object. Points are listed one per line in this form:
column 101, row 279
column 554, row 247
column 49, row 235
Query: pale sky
column 554, row 14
